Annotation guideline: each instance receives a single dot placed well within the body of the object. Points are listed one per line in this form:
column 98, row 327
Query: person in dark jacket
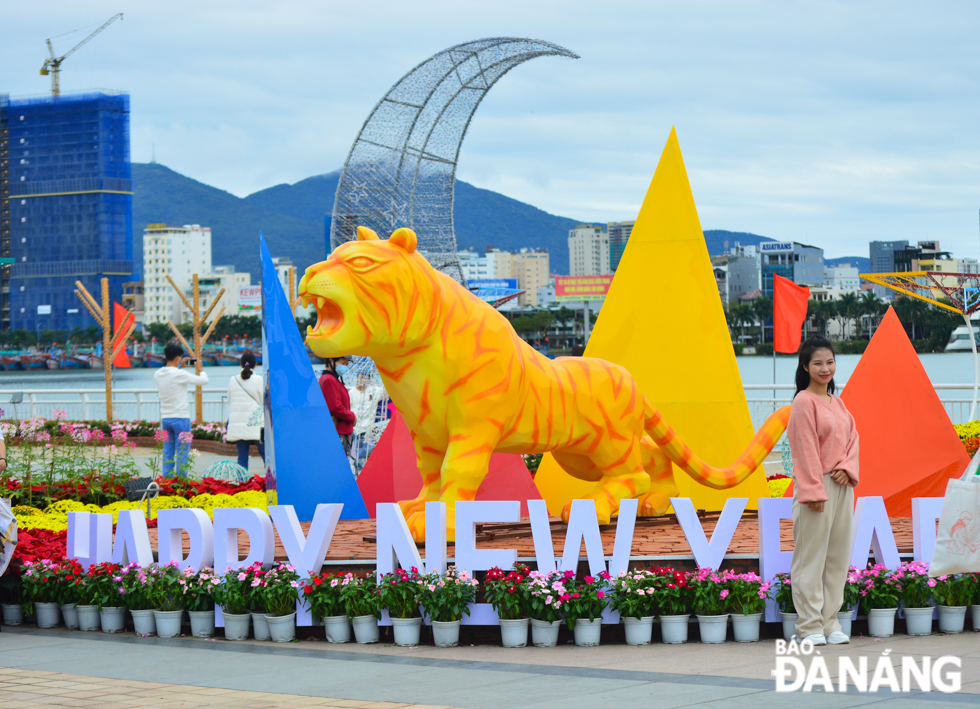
column 338, row 398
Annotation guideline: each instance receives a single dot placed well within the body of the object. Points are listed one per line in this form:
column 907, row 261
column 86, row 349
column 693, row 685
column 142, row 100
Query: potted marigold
column 324, row 593
column 40, row 588
column 201, row 588
column 280, row 592
column 747, row 601
column 169, row 595
column 400, row 595
column 710, row 590
column 545, row 605
column 584, row 602
column 69, row 576
column 509, row 594
column 362, row 599
column 784, row 599
column 232, row 594
column 446, row 598
column 916, row 597
column 952, row 594
column 138, row 582
column 673, row 596
column 880, row 594
column 633, row 595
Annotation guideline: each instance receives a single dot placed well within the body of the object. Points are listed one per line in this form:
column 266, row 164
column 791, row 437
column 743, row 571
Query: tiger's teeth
column 309, row 329
column 319, row 302
column 306, row 302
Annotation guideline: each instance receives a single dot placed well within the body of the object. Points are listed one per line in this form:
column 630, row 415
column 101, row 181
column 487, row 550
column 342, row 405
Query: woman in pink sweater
column 824, row 441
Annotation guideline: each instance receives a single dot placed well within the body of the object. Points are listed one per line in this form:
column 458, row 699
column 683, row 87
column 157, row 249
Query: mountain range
column 295, row 220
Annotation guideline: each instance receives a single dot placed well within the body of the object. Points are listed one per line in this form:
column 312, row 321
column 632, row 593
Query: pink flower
column 161, row 436
column 600, row 594
column 724, row 594
column 932, row 583
column 241, row 576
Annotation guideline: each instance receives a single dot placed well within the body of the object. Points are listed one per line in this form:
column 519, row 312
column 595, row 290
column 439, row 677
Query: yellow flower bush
column 25, row 511
column 967, row 430
column 778, row 487
column 64, row 507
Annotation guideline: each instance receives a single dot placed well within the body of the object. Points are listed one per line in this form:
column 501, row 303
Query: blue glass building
column 69, row 196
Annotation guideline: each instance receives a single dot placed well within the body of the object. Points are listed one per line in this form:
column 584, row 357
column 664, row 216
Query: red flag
column 789, row 303
column 123, row 319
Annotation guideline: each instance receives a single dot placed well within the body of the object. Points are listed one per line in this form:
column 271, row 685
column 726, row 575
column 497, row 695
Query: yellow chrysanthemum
column 21, row 511
column 778, row 487
column 64, row 507
column 251, row 498
column 967, row 430
column 42, row 521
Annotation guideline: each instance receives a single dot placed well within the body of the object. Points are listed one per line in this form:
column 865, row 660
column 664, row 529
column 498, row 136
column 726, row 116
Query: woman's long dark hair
column 812, row 344
column 248, row 364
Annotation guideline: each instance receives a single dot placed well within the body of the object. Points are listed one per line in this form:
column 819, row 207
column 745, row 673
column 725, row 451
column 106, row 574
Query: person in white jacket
column 175, row 417
column 245, row 393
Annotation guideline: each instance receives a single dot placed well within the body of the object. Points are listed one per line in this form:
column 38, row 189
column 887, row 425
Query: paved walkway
column 481, row 677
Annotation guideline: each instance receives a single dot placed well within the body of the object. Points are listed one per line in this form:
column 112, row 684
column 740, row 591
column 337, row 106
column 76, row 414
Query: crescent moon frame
column 401, row 170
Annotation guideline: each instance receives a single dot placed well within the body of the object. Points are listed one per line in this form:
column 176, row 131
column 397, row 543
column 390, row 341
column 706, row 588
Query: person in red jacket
column 338, row 399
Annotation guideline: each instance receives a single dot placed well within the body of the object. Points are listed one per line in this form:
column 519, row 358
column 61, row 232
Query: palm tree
column 848, row 306
column 762, row 309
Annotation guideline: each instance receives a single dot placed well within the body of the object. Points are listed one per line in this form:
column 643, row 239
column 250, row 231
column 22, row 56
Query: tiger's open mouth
column 329, row 316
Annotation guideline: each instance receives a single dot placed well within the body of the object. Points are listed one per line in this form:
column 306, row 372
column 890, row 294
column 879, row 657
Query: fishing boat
column 94, row 361
column 74, row 362
column 229, row 359
column 34, row 361
column 11, row 362
column 152, row 359
column 52, row 362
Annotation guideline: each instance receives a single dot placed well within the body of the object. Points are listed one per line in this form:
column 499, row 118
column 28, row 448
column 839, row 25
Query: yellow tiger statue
column 467, row 386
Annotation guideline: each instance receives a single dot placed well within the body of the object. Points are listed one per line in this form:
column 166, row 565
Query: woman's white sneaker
column 838, row 638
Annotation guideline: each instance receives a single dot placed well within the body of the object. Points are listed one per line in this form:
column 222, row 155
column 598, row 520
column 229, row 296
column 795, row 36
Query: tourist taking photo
column 172, row 382
column 244, row 399
column 824, row 441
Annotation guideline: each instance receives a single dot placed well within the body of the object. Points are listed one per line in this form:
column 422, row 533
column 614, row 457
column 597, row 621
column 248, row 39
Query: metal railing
column 89, row 404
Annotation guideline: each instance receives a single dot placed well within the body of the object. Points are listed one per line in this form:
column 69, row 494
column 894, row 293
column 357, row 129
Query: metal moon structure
column 401, row 170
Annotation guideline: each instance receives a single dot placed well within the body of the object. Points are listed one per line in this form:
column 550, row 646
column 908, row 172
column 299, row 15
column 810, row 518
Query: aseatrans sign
column 582, row 287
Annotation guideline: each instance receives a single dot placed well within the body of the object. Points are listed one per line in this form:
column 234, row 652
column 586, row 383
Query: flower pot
column 202, row 623
column 260, row 628
column 951, row 619
column 845, row 617
column 144, row 623
column 673, row 628
column 918, row 621
column 282, row 628
column 543, row 633
column 70, row 615
column 445, row 633
column 113, row 619
column 168, row 623
column 881, row 622
column 406, row 631
column 714, row 628
column 365, row 629
column 513, row 633
column 88, row 618
column 746, row 627
column 975, row 612
column 338, row 629
column 236, row 625
column 47, row 614
column 789, row 624
column 639, row 631
column 587, row 632
column 13, row 614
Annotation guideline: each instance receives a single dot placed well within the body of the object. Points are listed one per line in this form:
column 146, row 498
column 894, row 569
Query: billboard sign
column 582, row 287
column 492, row 283
column 772, row 247
column 44, row 310
column 249, row 298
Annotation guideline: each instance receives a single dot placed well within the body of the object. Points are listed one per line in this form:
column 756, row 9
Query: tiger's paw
column 416, row 525
column 411, row 507
column 604, row 509
column 653, row 504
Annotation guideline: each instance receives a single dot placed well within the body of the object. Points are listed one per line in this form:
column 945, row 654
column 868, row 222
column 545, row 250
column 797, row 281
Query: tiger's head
column 372, row 297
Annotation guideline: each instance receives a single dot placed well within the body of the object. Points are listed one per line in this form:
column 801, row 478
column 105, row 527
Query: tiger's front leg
column 429, row 462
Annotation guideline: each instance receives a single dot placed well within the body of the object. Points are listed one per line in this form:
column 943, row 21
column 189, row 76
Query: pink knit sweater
column 823, row 438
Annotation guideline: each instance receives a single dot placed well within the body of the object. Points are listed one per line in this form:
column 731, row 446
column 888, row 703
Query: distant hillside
column 862, row 263
column 716, row 238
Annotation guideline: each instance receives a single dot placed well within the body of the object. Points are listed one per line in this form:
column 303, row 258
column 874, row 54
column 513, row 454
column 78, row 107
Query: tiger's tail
column 718, row 478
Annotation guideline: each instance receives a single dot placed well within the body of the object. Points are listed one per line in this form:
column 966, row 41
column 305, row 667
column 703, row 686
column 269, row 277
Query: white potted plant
column 280, row 592
column 852, row 598
column 138, row 582
column 169, row 594
column 783, row 596
column 446, row 598
column 324, row 593
column 256, row 601
column 509, row 594
column 585, row 600
column 545, row 606
column 362, row 599
column 879, row 598
column 711, row 589
column 747, row 601
column 200, row 602
column 674, row 597
column 916, row 597
column 633, row 595
column 70, row 575
column 39, row 584
column 400, row 595
column 232, row 594
column 952, row 594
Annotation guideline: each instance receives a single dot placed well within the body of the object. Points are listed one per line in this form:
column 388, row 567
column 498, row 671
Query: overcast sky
column 830, row 123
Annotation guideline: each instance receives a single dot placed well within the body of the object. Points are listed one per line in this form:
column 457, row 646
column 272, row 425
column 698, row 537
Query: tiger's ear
column 365, row 234
column 404, row 239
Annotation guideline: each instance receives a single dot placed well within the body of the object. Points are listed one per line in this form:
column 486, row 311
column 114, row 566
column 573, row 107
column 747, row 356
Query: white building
column 473, row 265
column 588, row 251
column 209, row 285
column 179, row 252
column 844, row 278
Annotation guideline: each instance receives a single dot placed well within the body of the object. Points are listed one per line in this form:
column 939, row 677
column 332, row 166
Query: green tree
column 762, row 310
column 849, row 307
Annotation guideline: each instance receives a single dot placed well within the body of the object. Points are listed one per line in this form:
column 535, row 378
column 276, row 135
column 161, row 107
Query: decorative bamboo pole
column 199, row 341
column 291, row 295
column 112, row 342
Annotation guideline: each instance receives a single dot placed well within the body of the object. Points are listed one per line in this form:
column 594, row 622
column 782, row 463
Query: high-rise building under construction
column 66, row 190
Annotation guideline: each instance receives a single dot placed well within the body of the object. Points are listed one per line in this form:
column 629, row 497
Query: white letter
column 818, row 666
column 780, row 646
column 258, row 527
column 846, row 668
column 910, row 667
column 925, row 512
column 583, row 525
column 197, row 524
column 782, row 674
column 625, row 524
column 544, row 548
column 772, row 559
column 395, row 546
column 468, row 514
column 132, row 539
column 707, row 554
column 884, row 670
column 89, row 538
column 872, row 530
column 955, row 680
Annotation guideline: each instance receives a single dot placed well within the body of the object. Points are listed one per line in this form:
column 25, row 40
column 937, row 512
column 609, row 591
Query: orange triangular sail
column 123, row 319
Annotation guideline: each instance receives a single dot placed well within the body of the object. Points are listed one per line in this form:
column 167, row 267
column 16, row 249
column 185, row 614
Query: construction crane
column 52, row 65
